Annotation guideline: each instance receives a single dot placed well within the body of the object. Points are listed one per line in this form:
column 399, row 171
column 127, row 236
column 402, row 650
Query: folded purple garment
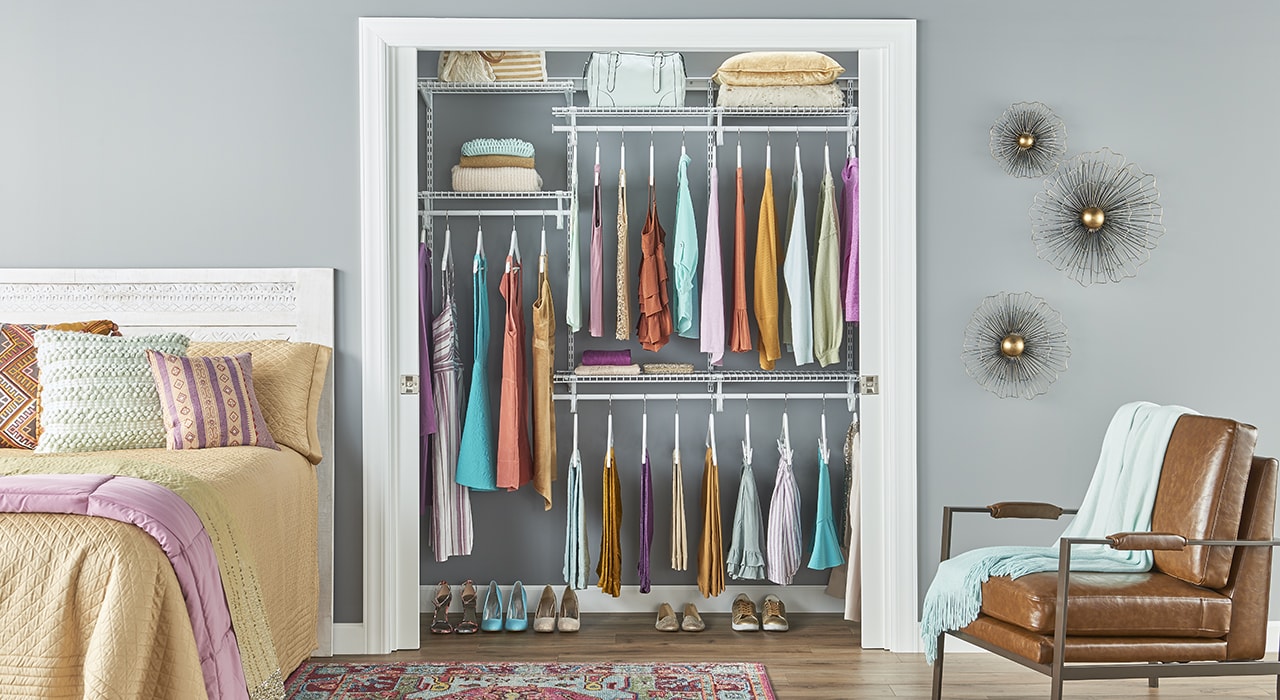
column 606, row 357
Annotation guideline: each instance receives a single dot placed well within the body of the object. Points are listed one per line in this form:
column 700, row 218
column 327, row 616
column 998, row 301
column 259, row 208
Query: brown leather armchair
column 1200, row 611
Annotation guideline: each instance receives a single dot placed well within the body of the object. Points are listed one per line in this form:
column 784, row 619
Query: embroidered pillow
column 208, row 401
column 97, row 392
column 20, row 378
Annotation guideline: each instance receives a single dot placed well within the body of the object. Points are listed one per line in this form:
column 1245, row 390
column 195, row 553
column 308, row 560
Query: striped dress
column 452, row 533
column 783, row 558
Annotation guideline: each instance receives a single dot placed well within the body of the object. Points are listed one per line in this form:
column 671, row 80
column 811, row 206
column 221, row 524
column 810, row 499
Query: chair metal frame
column 1058, row 670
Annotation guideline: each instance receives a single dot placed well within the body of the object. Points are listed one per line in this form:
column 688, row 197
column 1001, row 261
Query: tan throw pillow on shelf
column 288, row 379
column 758, row 68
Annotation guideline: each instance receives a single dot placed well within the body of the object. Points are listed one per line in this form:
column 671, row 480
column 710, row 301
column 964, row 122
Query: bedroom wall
column 142, row 133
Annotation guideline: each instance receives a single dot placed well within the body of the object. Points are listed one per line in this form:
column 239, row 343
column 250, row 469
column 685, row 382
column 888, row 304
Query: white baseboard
column 799, row 599
column 960, row 646
column 348, row 638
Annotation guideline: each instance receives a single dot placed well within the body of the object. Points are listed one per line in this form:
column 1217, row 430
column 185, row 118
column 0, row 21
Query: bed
column 92, row 606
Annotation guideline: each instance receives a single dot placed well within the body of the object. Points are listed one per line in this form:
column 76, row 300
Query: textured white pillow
column 97, row 392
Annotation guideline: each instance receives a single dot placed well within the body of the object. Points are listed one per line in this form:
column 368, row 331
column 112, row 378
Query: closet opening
column 521, row 216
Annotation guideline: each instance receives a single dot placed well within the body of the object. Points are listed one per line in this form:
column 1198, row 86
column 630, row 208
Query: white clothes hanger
column 644, row 429
column 609, row 442
column 651, row 159
column 542, row 252
column 683, row 152
column 475, row 264
column 826, row 157
column 575, row 432
column 446, row 260
column 739, row 149
column 711, row 436
column 597, row 147
column 768, row 149
column 797, row 151
column 746, row 432
column 513, row 253
column 677, row 434
column 822, row 436
column 622, row 155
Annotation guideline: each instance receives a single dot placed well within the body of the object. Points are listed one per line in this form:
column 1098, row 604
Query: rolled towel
column 666, row 368
column 606, row 370
column 821, row 96
column 495, row 162
column 606, row 357
column 495, row 180
column 498, row 147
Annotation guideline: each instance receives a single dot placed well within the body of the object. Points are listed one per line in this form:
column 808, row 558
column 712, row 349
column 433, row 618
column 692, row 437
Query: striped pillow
column 208, row 401
column 518, row 65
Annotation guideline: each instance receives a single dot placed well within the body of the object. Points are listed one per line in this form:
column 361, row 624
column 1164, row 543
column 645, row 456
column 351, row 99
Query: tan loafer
column 544, row 620
column 666, row 619
column 692, row 621
column 744, row 614
column 775, row 614
column 569, row 621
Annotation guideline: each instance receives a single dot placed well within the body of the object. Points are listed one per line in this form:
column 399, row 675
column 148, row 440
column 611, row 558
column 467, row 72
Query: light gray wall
column 145, row 134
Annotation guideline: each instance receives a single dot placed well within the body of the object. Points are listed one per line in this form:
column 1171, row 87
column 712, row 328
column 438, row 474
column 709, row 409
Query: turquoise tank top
column 477, row 462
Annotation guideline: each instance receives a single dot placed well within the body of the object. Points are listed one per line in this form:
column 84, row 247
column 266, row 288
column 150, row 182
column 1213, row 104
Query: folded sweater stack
column 780, row 79
column 496, row 165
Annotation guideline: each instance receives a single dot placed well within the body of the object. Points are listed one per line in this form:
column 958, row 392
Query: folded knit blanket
column 606, row 370
column 666, row 368
column 828, row 96
column 495, row 162
column 498, row 147
column 495, row 180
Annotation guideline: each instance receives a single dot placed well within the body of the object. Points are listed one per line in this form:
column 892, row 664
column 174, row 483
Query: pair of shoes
column 545, row 619
column 744, row 614
column 516, row 617
column 440, row 622
column 666, row 622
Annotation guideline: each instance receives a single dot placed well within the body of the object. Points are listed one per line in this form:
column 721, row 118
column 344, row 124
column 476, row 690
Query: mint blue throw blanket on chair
column 1120, row 498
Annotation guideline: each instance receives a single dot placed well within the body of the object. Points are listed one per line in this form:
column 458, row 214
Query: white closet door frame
column 389, row 233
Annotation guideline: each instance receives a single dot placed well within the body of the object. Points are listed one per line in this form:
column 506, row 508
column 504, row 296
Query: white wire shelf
column 702, row 112
column 715, row 386
column 450, row 194
column 502, row 87
column 769, row 376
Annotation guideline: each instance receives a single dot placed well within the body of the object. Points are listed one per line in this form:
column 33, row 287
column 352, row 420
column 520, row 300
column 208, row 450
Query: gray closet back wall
column 133, row 129
column 514, row 537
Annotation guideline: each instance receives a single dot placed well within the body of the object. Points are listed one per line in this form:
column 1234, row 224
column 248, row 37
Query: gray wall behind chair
column 142, row 133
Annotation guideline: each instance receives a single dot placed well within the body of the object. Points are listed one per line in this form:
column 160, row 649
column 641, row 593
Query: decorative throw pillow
column 208, row 401
column 288, row 379
column 779, row 68
column 97, row 392
column 20, row 377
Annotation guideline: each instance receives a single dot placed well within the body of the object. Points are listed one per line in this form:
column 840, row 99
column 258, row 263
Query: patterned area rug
column 521, row 681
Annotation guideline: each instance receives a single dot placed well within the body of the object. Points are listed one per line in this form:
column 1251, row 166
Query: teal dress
column 687, row 299
column 477, row 463
column 826, row 544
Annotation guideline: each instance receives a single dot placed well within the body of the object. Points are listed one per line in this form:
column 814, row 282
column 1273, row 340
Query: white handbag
column 624, row 79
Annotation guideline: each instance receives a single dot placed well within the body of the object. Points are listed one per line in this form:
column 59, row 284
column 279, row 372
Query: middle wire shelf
column 714, row 381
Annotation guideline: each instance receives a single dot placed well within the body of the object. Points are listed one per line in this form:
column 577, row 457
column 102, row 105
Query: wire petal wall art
column 1015, row 345
column 1098, row 218
column 1028, row 139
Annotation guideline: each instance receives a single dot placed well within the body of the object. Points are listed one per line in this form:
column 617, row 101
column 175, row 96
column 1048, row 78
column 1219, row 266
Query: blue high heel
column 491, row 616
column 517, row 609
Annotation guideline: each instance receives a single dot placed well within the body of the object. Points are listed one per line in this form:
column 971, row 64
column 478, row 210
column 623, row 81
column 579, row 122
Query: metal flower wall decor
column 1015, row 345
column 1028, row 139
column 1098, row 218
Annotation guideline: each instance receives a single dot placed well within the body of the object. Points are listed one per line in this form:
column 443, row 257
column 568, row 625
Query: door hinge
column 869, row 385
column 408, row 384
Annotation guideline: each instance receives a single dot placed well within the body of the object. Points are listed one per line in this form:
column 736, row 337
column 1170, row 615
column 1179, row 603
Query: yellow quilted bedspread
column 91, row 607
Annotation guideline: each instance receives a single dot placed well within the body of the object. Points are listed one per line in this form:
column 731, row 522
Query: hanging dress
column 654, row 327
column 679, row 530
column 711, row 544
column 595, row 319
column 783, row 558
column 740, row 328
column 766, row 277
column 849, row 244
column 826, row 544
column 685, row 256
column 646, row 507
column 622, row 328
column 712, row 332
column 477, row 468
column 577, row 553
column 609, row 568
column 827, row 314
column 452, row 532
column 746, row 559
column 795, row 273
column 544, row 359
column 427, row 424
column 846, row 581
column 515, row 457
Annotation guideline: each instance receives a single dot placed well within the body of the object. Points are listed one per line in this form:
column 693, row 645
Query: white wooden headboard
column 205, row 304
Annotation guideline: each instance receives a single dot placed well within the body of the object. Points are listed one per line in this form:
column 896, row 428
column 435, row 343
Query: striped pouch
column 518, row 65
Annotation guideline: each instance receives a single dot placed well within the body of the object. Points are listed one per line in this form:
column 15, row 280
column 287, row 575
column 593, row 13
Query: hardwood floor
column 819, row 658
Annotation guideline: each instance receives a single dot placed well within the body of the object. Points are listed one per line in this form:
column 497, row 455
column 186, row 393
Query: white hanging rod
column 780, row 131
column 718, row 398
column 463, row 214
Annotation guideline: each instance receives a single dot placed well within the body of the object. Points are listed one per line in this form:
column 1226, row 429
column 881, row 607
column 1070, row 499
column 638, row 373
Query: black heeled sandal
column 440, row 623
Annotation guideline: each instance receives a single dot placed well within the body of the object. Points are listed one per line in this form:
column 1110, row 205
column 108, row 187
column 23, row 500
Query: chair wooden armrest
column 1026, row 509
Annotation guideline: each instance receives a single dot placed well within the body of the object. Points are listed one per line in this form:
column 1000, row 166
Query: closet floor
column 819, row 658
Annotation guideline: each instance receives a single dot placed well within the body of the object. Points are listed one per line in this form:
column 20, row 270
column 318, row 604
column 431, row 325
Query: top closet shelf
column 541, row 194
column 702, row 112
column 504, row 87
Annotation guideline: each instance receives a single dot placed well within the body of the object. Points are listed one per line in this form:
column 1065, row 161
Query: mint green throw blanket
column 1119, row 499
